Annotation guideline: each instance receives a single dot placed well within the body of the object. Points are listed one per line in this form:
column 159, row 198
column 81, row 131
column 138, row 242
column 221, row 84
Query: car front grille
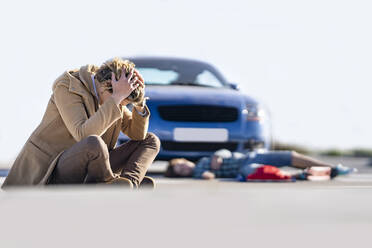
column 198, row 113
column 198, row 146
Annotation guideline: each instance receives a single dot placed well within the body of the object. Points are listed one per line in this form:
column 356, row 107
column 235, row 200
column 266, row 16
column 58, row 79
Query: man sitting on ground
column 75, row 141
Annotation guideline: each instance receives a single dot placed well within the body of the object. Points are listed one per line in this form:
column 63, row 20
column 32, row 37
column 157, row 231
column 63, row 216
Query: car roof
column 167, row 59
column 149, row 61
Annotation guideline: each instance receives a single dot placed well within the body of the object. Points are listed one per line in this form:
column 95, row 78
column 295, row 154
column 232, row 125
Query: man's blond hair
column 118, row 66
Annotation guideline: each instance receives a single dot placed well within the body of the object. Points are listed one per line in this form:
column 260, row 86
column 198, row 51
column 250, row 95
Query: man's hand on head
column 140, row 107
column 140, row 78
column 122, row 88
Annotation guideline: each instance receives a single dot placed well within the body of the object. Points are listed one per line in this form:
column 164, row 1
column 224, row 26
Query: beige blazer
column 72, row 114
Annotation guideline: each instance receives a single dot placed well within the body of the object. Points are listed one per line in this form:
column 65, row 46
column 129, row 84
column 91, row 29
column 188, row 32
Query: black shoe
column 301, row 176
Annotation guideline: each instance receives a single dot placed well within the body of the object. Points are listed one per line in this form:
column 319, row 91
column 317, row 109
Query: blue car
column 195, row 111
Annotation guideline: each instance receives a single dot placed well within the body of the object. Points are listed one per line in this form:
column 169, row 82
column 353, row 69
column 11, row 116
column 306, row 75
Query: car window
column 208, row 79
column 156, row 76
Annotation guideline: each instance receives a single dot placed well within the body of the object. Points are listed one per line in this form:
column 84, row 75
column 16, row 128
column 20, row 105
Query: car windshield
column 180, row 75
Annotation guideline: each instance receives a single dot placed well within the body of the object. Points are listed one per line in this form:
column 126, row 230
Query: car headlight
column 253, row 112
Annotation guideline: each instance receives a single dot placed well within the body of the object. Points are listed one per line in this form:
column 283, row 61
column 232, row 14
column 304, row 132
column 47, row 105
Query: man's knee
column 96, row 144
column 152, row 139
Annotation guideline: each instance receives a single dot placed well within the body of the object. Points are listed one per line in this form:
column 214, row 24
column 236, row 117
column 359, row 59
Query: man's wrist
column 141, row 103
column 117, row 99
column 140, row 109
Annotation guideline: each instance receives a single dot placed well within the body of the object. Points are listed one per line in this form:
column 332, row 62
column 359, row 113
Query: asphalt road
column 194, row 213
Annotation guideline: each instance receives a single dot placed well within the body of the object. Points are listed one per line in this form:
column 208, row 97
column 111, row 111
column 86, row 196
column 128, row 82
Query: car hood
column 197, row 95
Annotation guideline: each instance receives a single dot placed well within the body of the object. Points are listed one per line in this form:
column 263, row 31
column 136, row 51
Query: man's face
column 184, row 168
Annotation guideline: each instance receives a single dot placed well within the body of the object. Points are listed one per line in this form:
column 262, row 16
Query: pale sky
column 309, row 61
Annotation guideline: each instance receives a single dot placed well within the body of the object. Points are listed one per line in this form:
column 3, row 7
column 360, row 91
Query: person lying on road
column 224, row 164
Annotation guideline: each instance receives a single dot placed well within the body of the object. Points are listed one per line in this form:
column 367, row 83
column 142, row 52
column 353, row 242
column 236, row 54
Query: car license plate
column 201, row 134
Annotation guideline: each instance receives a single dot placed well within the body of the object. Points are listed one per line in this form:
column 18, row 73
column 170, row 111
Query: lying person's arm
column 203, row 165
column 208, row 175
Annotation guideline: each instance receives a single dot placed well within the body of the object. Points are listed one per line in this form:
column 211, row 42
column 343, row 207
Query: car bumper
column 195, row 150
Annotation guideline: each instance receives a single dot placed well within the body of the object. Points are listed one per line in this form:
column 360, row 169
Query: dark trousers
column 89, row 161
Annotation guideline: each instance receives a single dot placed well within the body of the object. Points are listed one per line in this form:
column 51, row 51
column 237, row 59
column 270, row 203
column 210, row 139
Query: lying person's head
column 118, row 66
column 180, row 167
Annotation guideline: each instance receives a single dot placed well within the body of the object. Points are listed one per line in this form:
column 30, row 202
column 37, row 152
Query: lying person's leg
column 86, row 161
column 287, row 158
column 302, row 161
column 297, row 160
column 133, row 158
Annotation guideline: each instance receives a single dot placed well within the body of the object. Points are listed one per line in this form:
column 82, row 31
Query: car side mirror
column 234, row 86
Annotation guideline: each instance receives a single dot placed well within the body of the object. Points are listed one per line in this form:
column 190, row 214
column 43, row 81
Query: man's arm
column 135, row 124
column 73, row 113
